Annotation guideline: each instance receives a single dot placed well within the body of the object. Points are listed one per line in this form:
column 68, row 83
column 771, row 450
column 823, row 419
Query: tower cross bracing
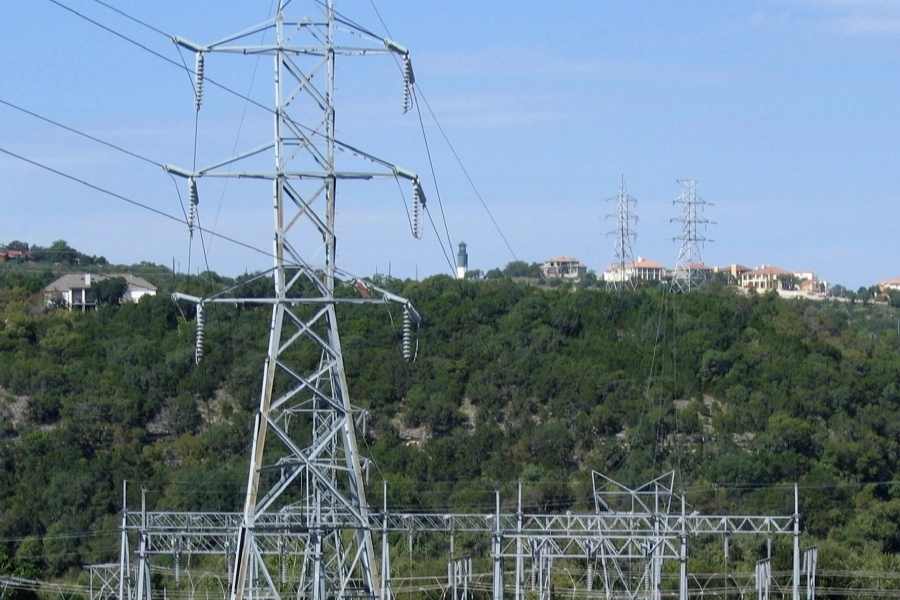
column 689, row 270
column 304, row 458
column 623, row 258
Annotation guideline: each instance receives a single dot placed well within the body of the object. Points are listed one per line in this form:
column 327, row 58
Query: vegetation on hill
column 743, row 395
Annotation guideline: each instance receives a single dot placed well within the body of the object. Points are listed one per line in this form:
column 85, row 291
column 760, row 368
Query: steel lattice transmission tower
column 304, row 464
column 689, row 271
column 622, row 255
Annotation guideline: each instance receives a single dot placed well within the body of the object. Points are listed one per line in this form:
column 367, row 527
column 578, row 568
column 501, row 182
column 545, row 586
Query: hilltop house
column 693, row 269
column 733, row 272
column 764, row 278
column 889, row 284
column 6, row 255
column 73, row 291
column 563, row 266
column 642, row 269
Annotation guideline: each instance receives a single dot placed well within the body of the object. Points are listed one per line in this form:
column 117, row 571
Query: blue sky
column 784, row 110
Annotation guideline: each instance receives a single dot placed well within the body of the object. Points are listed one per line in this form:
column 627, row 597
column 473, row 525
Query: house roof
column 562, row 259
column 78, row 282
column 644, row 263
column 887, row 282
column 640, row 263
column 768, row 270
column 736, row 269
column 694, row 267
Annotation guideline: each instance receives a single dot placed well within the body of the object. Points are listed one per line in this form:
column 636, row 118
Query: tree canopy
column 741, row 394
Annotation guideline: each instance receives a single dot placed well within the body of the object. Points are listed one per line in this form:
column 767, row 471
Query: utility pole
column 689, row 269
column 305, row 466
column 622, row 255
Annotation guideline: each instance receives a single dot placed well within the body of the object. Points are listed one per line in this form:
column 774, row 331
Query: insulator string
column 201, row 334
column 198, row 86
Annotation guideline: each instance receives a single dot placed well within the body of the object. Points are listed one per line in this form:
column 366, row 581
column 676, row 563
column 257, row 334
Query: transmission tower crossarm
column 210, row 171
column 389, row 297
column 388, row 46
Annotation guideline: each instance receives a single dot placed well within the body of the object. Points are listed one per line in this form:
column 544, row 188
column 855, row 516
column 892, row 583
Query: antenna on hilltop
column 690, row 271
column 620, row 278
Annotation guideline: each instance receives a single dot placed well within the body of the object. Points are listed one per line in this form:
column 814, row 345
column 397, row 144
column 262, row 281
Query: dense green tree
column 110, row 290
column 741, row 394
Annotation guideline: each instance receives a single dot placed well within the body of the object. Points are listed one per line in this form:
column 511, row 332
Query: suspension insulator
column 416, row 221
column 198, row 81
column 176, row 556
column 408, row 80
column 418, row 205
column 201, row 334
column 194, row 200
column 407, row 335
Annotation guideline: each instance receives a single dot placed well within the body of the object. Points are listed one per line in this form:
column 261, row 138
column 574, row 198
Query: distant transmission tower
column 622, row 256
column 305, row 468
column 689, row 270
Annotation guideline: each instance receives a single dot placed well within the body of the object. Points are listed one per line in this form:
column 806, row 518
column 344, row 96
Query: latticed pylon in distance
column 689, row 272
column 622, row 255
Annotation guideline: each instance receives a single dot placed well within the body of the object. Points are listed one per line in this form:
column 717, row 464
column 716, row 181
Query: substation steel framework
column 621, row 547
column 304, row 459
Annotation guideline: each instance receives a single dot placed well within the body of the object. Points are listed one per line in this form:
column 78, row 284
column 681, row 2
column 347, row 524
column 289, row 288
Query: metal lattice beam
column 623, row 273
column 689, row 270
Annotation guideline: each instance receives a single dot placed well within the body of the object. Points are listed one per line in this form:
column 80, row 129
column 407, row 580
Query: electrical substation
column 307, row 530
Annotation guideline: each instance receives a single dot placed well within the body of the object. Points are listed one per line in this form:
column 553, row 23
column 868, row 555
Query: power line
column 135, row 19
column 81, row 133
column 465, row 172
column 128, row 200
column 436, row 187
column 157, row 54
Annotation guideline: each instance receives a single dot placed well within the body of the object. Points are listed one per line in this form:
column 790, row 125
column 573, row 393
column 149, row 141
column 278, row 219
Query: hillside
column 741, row 395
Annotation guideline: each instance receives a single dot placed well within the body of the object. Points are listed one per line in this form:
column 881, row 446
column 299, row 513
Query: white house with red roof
column 889, row 284
column 765, row 278
column 642, row 270
column 733, row 272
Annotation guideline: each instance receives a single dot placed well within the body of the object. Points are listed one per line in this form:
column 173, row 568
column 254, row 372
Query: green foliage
column 109, row 291
column 743, row 394
column 520, row 268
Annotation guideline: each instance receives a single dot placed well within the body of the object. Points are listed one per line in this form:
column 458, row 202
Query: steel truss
column 622, row 546
column 304, row 460
column 623, row 258
column 689, row 271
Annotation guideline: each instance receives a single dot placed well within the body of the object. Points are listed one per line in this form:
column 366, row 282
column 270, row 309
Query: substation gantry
column 616, row 552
